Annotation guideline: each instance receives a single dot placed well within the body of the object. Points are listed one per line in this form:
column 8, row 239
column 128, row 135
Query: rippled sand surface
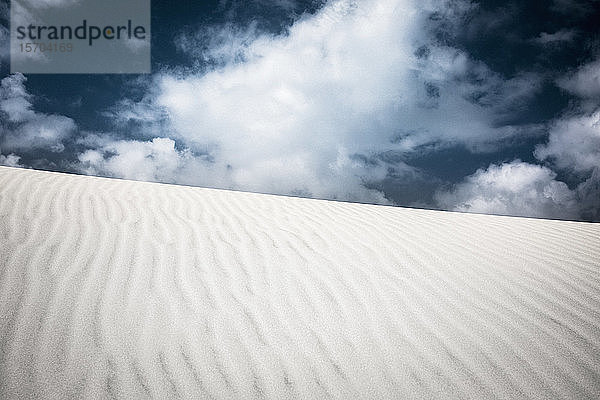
column 120, row 289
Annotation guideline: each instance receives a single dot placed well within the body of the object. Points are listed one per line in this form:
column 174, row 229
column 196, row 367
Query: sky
column 475, row 106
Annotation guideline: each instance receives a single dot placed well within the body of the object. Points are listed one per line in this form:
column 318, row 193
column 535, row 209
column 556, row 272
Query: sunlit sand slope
column 120, row 289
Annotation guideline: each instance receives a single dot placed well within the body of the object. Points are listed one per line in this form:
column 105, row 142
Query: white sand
column 120, row 289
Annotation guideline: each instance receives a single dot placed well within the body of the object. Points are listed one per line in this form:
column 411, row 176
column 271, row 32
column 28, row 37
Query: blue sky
column 479, row 106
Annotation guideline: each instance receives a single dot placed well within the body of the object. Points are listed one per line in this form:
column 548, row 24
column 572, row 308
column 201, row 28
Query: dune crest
column 120, row 289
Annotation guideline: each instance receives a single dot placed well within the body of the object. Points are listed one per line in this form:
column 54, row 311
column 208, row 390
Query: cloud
column 218, row 45
column 572, row 148
column 519, row 188
column 11, row 160
column 573, row 144
column 516, row 188
column 14, row 99
column 25, row 129
column 558, row 37
column 156, row 160
column 313, row 110
column 160, row 160
column 584, row 82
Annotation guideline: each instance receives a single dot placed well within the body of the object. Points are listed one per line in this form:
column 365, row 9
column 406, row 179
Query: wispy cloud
column 563, row 35
column 24, row 128
column 584, row 82
column 573, row 144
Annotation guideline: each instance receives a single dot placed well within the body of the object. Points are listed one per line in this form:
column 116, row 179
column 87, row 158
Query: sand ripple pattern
column 119, row 290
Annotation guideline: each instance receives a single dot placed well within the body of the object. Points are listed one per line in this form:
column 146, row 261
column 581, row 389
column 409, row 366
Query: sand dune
column 119, row 289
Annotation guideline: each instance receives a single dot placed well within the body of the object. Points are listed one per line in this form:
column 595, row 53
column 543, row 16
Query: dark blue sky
column 523, row 64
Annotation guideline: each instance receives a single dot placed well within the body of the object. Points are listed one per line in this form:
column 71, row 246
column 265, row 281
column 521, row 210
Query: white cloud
column 585, row 82
column 14, row 99
column 157, row 160
column 519, row 188
column 515, row 188
column 311, row 110
column 11, row 160
column 24, row 128
column 573, row 144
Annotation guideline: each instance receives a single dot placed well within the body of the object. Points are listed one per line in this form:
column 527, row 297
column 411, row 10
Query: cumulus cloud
column 11, row 160
column 312, row 111
column 24, row 128
column 524, row 189
column 155, row 160
column 160, row 160
column 516, row 188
